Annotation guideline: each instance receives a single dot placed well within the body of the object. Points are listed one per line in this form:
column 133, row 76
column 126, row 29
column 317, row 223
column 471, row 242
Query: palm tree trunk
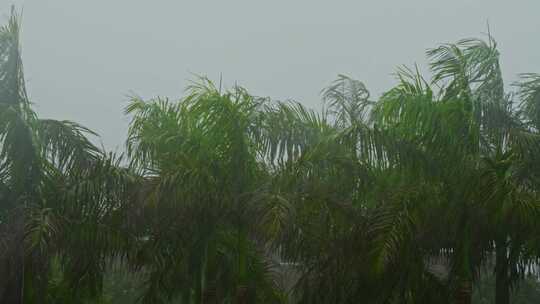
column 464, row 292
column 241, row 289
column 210, row 293
column 502, row 282
column 12, row 292
column 241, row 294
column 12, row 264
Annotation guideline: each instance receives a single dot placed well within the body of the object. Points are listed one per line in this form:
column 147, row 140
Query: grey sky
column 83, row 57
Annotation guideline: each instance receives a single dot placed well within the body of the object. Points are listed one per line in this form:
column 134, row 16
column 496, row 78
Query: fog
column 83, row 58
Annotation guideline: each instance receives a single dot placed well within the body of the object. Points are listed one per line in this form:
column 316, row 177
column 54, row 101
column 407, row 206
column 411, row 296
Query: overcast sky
column 83, row 57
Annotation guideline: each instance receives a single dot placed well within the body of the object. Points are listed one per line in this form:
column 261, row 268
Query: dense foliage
column 420, row 196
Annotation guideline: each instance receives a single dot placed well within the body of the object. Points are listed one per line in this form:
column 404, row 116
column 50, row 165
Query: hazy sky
column 83, row 57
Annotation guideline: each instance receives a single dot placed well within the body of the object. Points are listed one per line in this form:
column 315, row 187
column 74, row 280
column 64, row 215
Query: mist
column 84, row 58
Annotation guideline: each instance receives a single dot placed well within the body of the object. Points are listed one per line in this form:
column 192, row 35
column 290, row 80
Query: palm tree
column 480, row 146
column 464, row 143
column 204, row 181
column 342, row 194
column 59, row 193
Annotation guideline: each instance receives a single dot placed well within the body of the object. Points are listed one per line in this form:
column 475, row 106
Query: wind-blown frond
column 66, row 144
column 12, row 86
column 347, row 101
column 529, row 91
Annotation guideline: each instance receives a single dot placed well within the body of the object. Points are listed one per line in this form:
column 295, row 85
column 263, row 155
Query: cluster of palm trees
column 224, row 197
